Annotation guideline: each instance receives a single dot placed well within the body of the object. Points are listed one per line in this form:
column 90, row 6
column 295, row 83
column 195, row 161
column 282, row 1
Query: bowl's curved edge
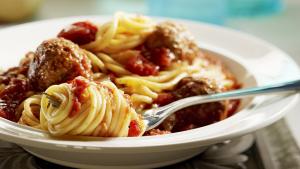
column 189, row 143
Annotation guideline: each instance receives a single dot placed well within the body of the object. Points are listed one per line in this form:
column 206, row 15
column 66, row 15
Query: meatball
column 80, row 33
column 174, row 37
column 198, row 115
column 56, row 61
column 189, row 86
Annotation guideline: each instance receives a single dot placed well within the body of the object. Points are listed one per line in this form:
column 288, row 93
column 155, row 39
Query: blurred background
column 277, row 21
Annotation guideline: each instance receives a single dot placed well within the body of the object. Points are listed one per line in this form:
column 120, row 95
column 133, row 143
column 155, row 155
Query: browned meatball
column 198, row 115
column 57, row 61
column 189, row 86
column 174, row 37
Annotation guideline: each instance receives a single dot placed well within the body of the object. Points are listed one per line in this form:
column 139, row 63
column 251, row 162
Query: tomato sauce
column 164, row 99
column 134, row 129
column 11, row 97
column 80, row 32
column 141, row 66
column 78, row 88
column 162, row 57
column 233, row 105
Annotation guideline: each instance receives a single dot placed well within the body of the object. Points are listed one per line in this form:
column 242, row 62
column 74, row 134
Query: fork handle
column 284, row 87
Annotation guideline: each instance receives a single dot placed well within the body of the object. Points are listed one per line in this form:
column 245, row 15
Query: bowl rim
column 154, row 143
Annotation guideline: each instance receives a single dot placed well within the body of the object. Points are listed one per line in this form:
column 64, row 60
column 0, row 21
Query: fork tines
column 53, row 100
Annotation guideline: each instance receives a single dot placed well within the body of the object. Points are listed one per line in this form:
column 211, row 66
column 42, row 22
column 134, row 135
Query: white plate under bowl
column 250, row 59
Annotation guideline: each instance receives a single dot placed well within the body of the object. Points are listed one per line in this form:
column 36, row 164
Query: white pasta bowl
column 253, row 61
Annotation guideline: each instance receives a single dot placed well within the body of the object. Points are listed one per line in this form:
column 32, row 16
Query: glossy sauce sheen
column 16, row 88
column 11, row 97
column 80, row 32
column 134, row 129
column 141, row 66
column 78, row 88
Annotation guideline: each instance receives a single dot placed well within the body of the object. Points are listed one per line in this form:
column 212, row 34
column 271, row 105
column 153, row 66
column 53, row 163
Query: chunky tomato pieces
column 141, row 66
column 134, row 129
column 162, row 57
column 149, row 62
column 164, row 99
column 4, row 114
column 78, row 87
column 11, row 97
column 75, row 107
column 233, row 105
column 80, row 32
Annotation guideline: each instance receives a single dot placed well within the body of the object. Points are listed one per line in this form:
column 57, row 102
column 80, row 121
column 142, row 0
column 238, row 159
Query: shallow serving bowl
column 253, row 61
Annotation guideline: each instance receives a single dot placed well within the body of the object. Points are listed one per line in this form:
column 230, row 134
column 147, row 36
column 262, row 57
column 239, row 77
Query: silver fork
column 53, row 100
column 154, row 117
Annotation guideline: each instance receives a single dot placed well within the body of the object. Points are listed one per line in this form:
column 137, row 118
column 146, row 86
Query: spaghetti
column 31, row 111
column 144, row 89
column 122, row 33
column 104, row 111
column 105, row 76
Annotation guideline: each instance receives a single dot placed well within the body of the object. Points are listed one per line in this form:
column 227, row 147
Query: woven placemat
column 277, row 147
